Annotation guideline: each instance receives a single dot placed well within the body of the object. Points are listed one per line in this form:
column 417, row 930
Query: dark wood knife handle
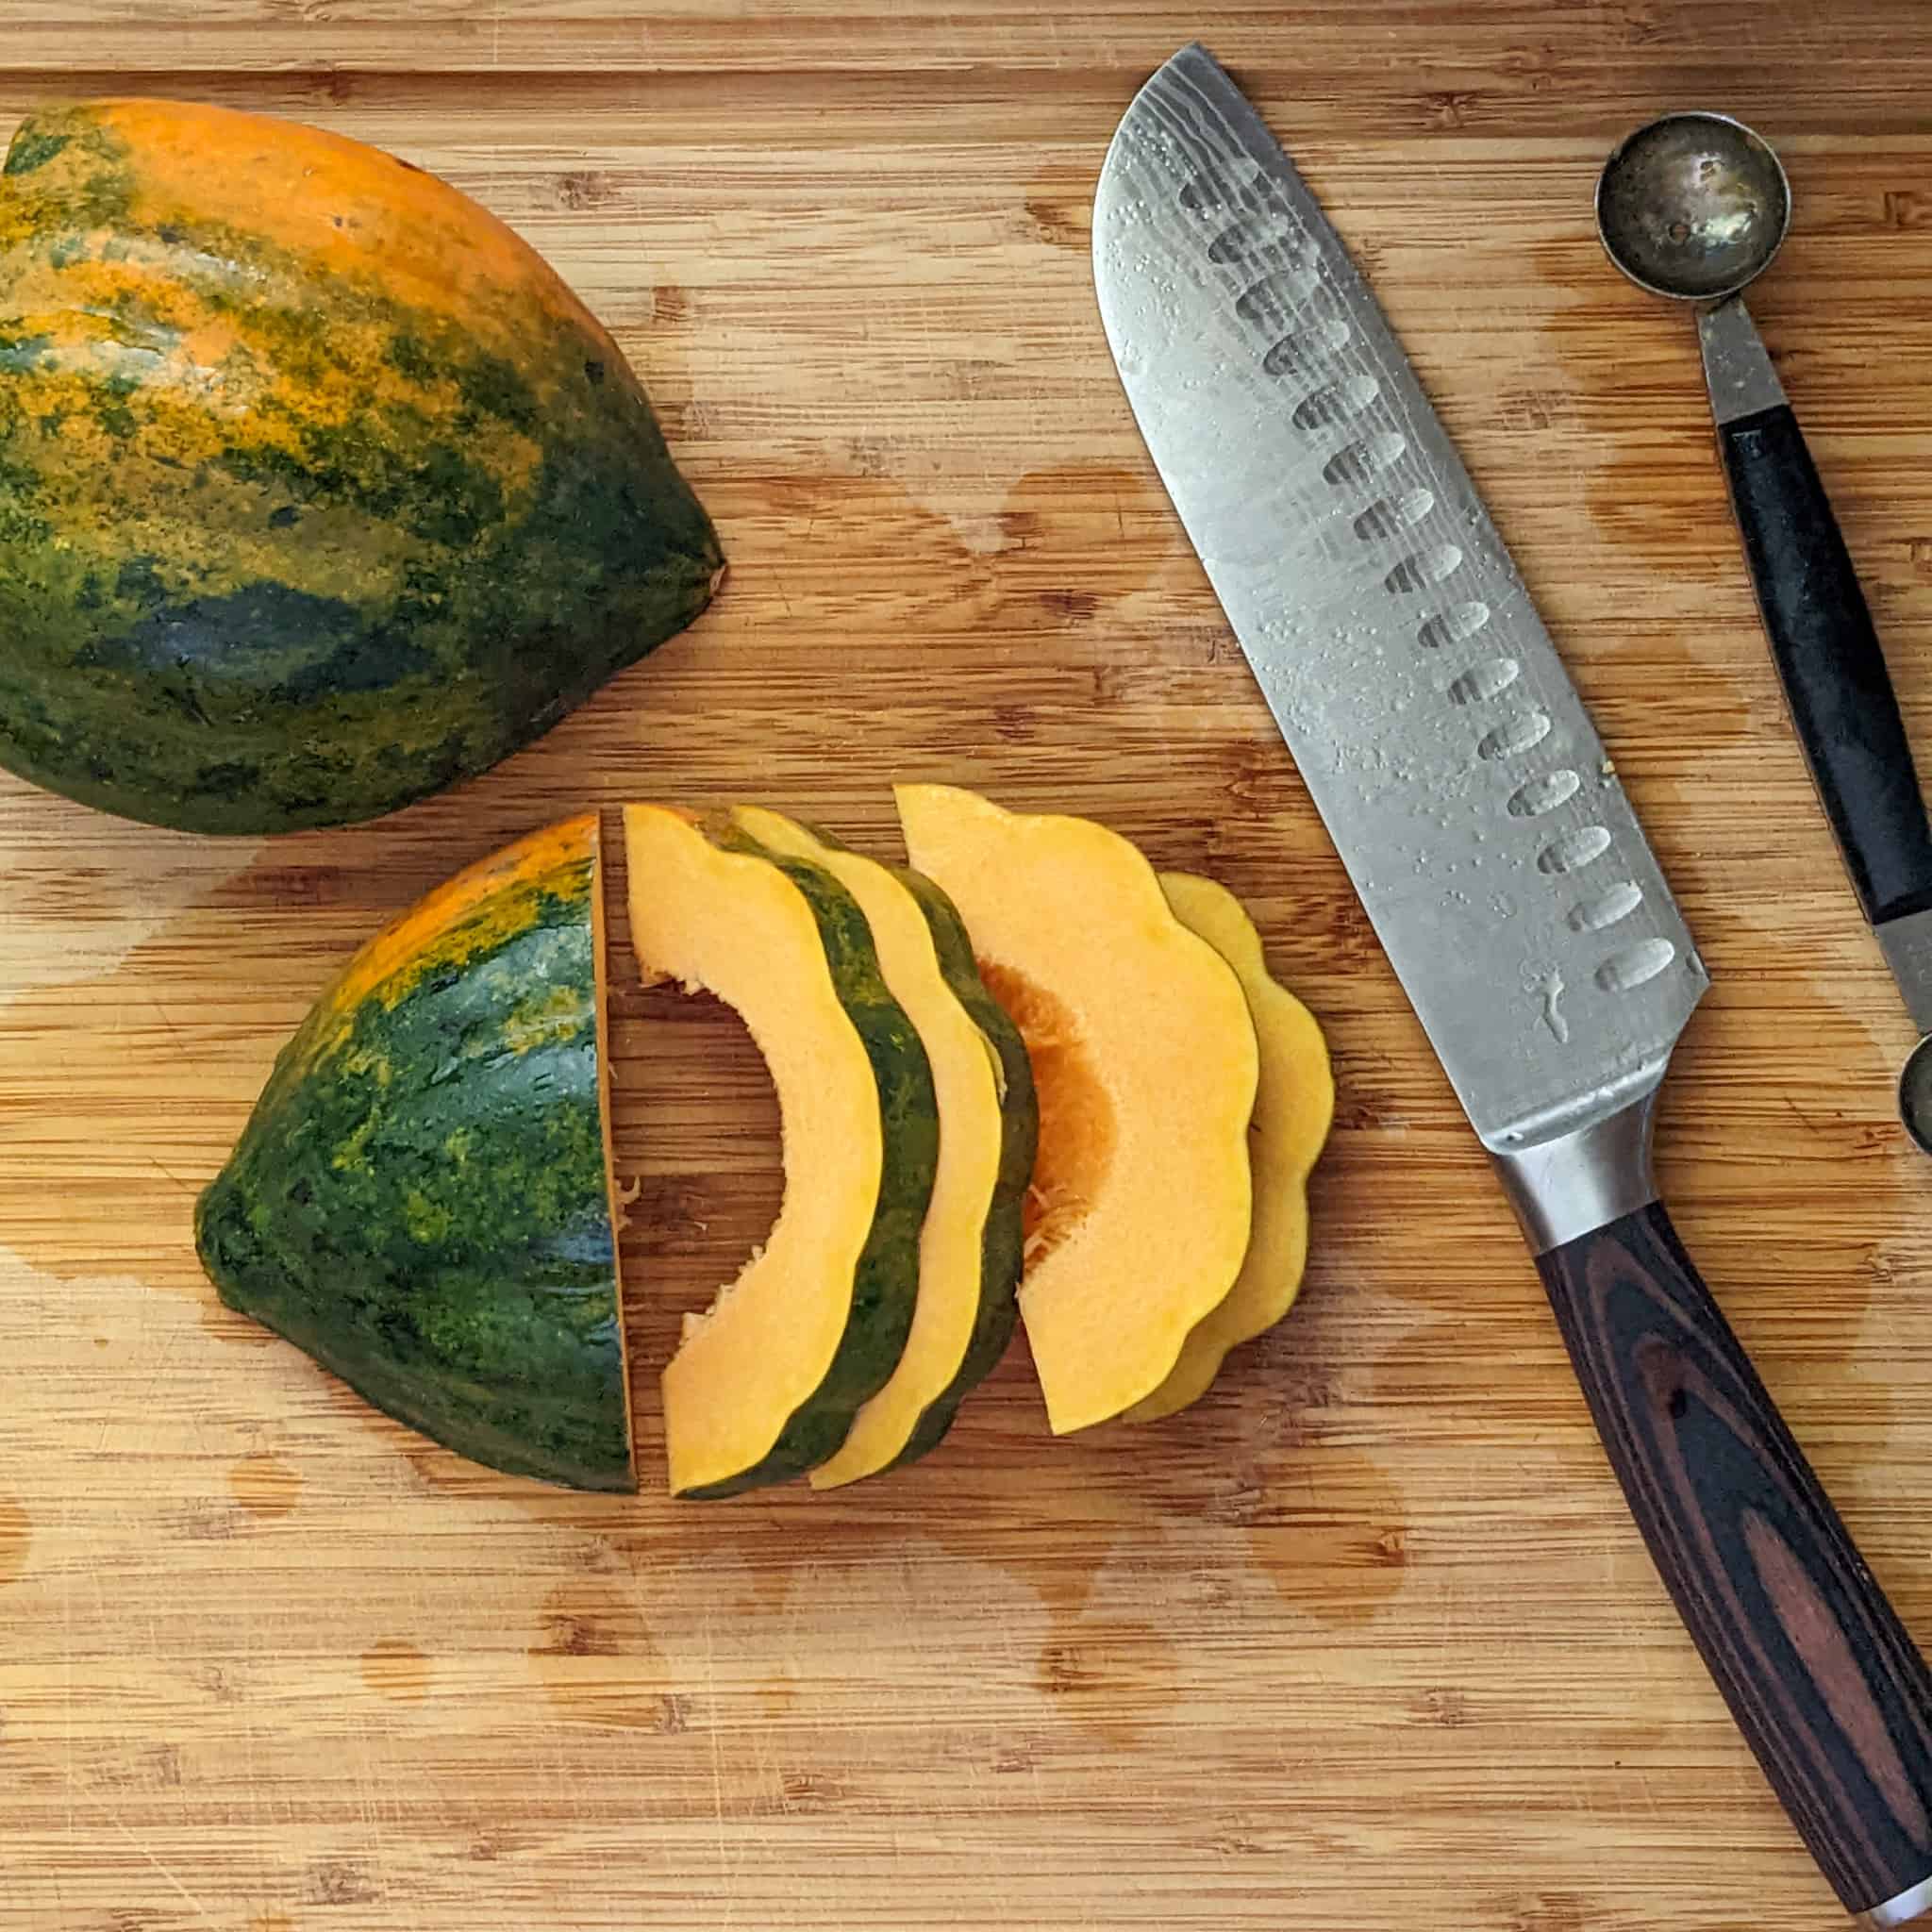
column 1823, row 1681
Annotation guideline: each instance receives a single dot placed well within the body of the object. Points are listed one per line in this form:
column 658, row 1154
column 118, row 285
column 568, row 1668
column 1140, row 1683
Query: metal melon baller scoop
column 1693, row 206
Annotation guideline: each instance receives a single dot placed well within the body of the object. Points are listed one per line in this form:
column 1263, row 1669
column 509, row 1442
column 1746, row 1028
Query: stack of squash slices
column 1023, row 1076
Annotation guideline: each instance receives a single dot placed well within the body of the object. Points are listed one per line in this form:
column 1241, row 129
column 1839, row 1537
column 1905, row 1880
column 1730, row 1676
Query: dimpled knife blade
column 1424, row 702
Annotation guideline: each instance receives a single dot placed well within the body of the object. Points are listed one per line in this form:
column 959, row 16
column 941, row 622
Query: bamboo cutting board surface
column 1366, row 1639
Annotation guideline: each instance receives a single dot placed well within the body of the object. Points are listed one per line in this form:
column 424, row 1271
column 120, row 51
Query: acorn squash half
column 319, row 490
column 421, row 1197
column 1145, row 1063
column 970, row 1247
column 765, row 1386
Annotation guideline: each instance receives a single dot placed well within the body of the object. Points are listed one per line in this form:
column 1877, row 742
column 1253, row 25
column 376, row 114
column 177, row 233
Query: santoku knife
column 1512, row 889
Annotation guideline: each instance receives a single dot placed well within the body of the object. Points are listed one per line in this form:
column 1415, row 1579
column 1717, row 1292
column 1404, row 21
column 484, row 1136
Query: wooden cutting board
column 1365, row 1640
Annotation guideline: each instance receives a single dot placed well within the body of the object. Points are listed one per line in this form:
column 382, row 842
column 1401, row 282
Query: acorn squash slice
column 1293, row 1108
column 970, row 1246
column 421, row 1197
column 766, row 1385
column 1145, row 1064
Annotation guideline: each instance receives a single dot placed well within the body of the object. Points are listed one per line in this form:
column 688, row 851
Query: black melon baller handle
column 1827, row 654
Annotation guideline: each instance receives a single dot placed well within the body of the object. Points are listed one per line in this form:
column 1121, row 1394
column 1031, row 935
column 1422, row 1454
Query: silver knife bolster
column 1573, row 1183
column 1901, row 1910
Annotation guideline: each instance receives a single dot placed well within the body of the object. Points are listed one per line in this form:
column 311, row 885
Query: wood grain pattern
column 1367, row 1639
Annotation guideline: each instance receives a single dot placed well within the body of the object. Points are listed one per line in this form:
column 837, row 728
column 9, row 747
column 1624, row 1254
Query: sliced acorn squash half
column 765, row 1386
column 421, row 1197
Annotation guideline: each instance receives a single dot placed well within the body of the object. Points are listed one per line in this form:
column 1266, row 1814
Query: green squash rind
column 420, row 1198
column 885, row 1286
column 326, row 613
column 1003, row 1245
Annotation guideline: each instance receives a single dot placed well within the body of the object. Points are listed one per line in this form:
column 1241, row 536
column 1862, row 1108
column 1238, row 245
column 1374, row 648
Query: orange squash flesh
column 734, row 923
column 1294, row 1109
column 1146, row 1064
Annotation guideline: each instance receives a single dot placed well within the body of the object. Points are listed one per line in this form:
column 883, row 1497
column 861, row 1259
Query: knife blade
column 1511, row 887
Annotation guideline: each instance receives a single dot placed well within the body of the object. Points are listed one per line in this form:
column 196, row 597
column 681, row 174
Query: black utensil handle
column 1823, row 1679
column 1828, row 656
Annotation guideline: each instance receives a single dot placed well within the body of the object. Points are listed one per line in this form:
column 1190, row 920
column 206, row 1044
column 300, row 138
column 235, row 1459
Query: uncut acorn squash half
column 319, row 490
column 421, row 1197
